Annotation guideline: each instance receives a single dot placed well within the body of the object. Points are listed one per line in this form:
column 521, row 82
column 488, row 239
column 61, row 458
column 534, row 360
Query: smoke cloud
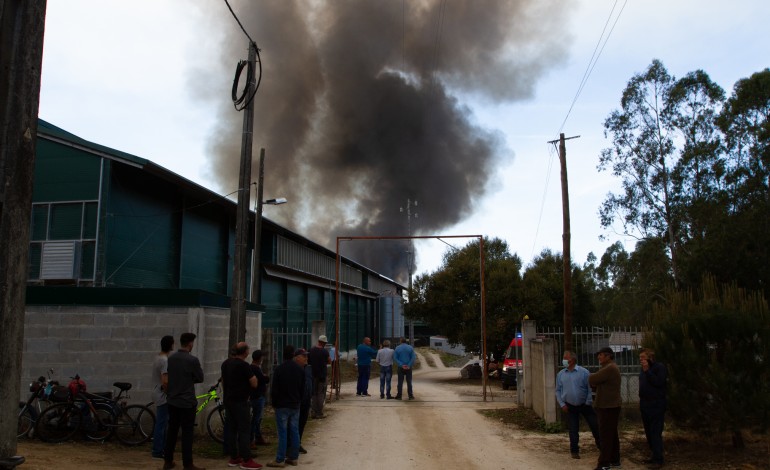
column 363, row 104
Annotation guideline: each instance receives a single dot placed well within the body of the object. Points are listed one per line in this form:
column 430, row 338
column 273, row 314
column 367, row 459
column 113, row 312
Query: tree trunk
column 22, row 23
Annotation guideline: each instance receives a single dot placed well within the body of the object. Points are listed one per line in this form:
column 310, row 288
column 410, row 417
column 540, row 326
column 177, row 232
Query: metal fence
column 277, row 338
column 626, row 342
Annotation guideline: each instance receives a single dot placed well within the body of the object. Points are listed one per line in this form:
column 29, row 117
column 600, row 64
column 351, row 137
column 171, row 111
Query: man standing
column 286, row 396
column 318, row 358
column 607, row 405
column 574, row 397
column 652, row 403
column 404, row 357
column 238, row 381
column 365, row 354
column 160, row 384
column 184, row 371
column 257, row 399
column 385, row 360
column 301, row 358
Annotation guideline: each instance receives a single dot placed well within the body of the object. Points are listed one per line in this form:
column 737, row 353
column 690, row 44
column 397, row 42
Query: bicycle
column 215, row 421
column 99, row 416
column 30, row 410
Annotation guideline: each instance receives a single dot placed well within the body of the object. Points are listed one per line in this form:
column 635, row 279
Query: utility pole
column 22, row 27
column 566, row 239
column 410, row 258
column 256, row 286
column 238, row 299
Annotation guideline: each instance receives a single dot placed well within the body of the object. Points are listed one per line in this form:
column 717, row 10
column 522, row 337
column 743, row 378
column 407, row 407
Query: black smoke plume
column 362, row 105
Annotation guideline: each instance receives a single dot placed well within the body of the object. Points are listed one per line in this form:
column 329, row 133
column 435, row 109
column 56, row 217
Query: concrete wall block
column 42, row 318
column 35, row 331
column 96, row 333
column 110, row 319
column 64, row 332
column 114, row 344
column 80, row 319
column 77, row 345
column 41, row 345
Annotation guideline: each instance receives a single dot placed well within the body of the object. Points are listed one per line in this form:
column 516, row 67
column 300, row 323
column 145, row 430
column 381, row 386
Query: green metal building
column 113, row 228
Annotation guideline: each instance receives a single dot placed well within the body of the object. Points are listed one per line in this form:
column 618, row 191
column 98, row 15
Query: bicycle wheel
column 135, row 425
column 99, row 425
column 58, row 422
column 215, row 424
column 25, row 423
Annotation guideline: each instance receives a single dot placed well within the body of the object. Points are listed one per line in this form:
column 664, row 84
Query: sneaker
column 389, row 397
column 292, row 462
column 575, row 455
column 235, row 462
column 302, row 450
column 366, row 394
column 411, row 398
column 382, row 397
column 398, row 397
column 358, row 394
column 248, row 464
column 276, row 463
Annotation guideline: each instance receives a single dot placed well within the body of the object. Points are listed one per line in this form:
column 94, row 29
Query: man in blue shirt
column 574, row 396
column 404, row 357
column 365, row 354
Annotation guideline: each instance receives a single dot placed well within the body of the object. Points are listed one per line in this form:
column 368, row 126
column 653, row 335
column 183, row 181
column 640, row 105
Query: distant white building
column 441, row 343
column 625, row 341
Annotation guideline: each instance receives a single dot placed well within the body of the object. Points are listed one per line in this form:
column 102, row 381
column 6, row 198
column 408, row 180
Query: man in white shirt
column 385, row 360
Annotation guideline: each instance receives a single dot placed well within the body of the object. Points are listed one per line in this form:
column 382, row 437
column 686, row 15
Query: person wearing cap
column 286, row 396
column 301, row 358
column 318, row 358
column 385, row 360
column 607, row 404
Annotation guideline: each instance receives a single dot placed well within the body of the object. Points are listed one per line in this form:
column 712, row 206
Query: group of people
column 403, row 357
column 297, row 391
column 573, row 393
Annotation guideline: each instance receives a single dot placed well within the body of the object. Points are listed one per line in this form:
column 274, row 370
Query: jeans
column 386, row 373
column 408, row 375
column 239, row 426
column 319, row 396
column 609, row 450
column 159, row 433
column 363, row 379
column 653, row 413
column 184, row 417
column 257, row 409
column 287, row 427
column 304, row 414
column 573, row 422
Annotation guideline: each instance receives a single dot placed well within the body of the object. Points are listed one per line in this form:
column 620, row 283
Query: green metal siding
column 204, row 247
column 143, row 232
column 295, row 306
column 64, row 174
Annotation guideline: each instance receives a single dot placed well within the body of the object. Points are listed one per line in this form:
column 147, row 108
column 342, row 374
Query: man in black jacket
column 652, row 403
column 184, row 371
column 238, row 381
column 286, row 396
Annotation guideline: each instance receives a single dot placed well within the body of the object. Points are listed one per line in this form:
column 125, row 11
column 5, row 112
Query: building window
column 74, row 222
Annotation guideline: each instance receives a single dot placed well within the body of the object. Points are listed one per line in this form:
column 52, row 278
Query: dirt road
column 441, row 428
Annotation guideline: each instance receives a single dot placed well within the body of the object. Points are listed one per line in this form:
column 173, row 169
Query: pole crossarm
column 416, row 237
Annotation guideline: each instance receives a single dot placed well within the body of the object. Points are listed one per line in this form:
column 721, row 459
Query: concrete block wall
column 106, row 344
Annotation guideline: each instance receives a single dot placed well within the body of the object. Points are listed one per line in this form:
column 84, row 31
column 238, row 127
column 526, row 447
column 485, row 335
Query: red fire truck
column 512, row 363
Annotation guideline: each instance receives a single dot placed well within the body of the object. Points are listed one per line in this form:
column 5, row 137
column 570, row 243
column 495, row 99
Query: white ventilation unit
column 60, row 260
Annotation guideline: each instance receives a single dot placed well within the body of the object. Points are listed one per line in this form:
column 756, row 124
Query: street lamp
column 256, row 287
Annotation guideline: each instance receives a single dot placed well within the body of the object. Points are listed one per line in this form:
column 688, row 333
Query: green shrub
column 715, row 342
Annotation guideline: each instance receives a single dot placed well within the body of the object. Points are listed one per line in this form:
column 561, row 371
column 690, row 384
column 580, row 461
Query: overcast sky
column 136, row 76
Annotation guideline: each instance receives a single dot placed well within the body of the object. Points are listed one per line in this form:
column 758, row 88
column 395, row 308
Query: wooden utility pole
column 566, row 239
column 238, row 299
column 22, row 26
column 256, row 270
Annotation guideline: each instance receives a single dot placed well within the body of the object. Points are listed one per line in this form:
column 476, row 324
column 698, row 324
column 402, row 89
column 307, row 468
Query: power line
column 239, row 21
column 595, row 57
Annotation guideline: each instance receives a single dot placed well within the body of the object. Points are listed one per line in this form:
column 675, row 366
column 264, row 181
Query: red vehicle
column 512, row 363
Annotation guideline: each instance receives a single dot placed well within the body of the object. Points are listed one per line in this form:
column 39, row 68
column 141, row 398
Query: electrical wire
column 542, row 202
column 241, row 102
column 595, row 57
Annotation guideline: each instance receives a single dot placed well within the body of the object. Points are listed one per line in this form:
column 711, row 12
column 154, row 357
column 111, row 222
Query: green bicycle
column 215, row 422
